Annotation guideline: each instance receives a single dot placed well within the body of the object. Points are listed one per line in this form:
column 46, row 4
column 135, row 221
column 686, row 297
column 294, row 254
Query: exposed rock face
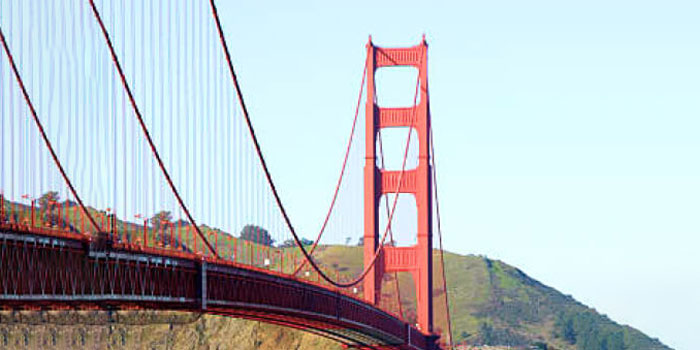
column 147, row 331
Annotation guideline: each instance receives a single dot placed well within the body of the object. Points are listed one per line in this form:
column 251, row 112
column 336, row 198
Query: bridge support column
column 417, row 259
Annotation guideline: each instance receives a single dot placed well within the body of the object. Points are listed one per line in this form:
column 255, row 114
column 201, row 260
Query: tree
column 486, row 334
column 256, row 234
column 288, row 243
column 48, row 200
column 614, row 341
column 565, row 328
column 361, row 242
column 161, row 219
column 569, row 332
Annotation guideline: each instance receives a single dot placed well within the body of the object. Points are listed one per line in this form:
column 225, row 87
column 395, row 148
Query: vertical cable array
column 186, row 154
column 37, row 194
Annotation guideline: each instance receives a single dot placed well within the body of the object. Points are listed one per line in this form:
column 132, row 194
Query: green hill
column 493, row 303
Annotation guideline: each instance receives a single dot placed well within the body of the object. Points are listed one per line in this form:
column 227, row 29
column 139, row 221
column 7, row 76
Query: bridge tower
column 417, row 259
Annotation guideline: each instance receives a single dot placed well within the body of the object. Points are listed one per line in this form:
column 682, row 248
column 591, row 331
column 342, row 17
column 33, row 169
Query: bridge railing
column 67, row 220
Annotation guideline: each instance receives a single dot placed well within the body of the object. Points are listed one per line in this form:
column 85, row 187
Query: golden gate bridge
column 129, row 159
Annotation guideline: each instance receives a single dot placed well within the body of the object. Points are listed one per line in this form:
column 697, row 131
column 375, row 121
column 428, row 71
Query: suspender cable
column 145, row 129
column 43, row 133
column 342, row 169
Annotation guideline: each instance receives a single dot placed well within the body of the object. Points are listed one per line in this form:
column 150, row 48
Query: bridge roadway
column 49, row 269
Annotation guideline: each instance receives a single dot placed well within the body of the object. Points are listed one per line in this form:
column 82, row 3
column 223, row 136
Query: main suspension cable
column 43, row 133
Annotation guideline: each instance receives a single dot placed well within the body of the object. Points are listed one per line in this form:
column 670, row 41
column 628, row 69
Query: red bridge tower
column 417, row 259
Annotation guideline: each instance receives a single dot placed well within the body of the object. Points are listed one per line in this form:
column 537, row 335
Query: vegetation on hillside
column 256, row 234
column 517, row 310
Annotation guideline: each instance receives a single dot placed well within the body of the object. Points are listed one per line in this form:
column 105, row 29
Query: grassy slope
column 488, row 296
column 519, row 309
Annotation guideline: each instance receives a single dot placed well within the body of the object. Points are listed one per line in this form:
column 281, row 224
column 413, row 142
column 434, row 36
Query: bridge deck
column 49, row 269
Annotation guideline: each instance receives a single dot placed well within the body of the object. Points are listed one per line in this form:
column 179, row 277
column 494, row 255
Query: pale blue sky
column 566, row 133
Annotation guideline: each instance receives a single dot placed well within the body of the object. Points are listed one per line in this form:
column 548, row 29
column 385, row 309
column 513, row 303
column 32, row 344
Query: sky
column 566, row 133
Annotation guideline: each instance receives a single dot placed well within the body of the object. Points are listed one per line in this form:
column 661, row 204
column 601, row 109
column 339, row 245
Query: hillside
column 493, row 303
column 506, row 307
